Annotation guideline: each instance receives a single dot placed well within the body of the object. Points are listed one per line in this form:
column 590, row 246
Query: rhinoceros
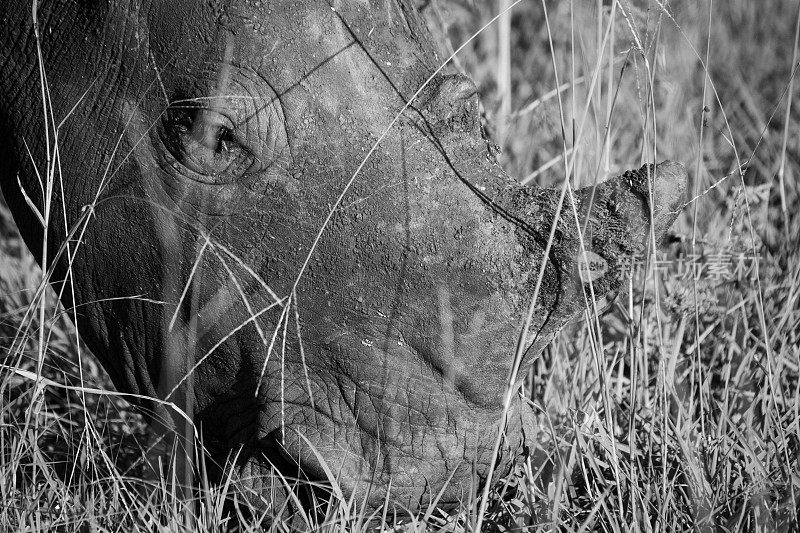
column 284, row 218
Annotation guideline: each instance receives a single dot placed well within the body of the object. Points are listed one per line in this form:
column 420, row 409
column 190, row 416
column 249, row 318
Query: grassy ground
column 677, row 409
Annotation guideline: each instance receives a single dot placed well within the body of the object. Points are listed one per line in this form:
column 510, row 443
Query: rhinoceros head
column 286, row 219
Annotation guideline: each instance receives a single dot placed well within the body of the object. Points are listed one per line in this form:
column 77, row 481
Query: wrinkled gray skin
column 413, row 299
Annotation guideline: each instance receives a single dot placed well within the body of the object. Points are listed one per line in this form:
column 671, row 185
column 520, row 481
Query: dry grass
column 677, row 409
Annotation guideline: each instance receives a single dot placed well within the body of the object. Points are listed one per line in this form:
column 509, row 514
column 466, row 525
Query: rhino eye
column 206, row 143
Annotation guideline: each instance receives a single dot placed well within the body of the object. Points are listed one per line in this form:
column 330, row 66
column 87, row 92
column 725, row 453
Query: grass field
column 677, row 409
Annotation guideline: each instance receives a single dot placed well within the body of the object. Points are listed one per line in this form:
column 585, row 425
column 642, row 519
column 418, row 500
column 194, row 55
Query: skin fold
column 211, row 141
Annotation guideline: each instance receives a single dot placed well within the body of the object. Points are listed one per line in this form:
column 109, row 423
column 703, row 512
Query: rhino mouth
column 382, row 416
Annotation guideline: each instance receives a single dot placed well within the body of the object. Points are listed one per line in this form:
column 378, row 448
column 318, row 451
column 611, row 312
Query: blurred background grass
column 676, row 409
